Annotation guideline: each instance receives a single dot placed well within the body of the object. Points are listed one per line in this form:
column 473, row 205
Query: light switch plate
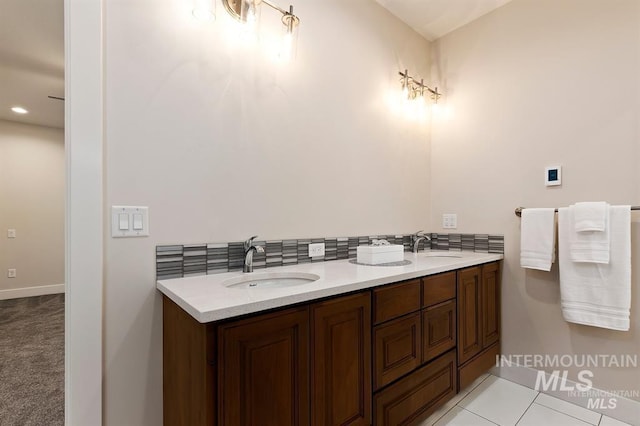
column 129, row 221
column 11, row 273
column 449, row 221
column 11, row 233
column 316, row 250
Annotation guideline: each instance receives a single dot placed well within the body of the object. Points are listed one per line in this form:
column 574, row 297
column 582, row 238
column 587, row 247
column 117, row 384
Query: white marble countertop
column 207, row 299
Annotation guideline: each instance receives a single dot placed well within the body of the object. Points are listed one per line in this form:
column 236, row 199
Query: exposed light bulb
column 287, row 47
column 405, row 92
column 204, row 10
column 289, row 43
column 203, row 15
column 421, row 104
column 251, row 16
column 19, row 110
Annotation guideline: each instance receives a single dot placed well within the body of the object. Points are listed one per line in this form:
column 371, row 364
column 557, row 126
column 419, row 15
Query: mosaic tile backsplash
column 178, row 261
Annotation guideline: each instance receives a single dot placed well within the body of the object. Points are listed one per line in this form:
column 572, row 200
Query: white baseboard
column 626, row 410
column 42, row 290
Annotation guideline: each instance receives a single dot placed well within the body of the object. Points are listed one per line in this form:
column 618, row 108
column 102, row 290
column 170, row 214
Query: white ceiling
column 32, row 60
column 435, row 18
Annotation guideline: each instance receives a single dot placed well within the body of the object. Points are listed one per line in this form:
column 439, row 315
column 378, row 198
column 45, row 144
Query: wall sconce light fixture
column 248, row 12
column 414, row 89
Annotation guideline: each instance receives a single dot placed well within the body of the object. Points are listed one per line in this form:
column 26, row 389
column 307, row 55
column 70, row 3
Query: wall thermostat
column 553, row 176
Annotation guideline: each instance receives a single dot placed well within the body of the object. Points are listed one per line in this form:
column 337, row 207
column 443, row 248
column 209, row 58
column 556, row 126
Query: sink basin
column 270, row 280
column 442, row 254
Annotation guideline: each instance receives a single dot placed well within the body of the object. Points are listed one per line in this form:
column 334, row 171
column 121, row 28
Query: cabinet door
column 469, row 314
column 397, row 349
column 264, row 370
column 490, row 304
column 438, row 330
column 341, row 361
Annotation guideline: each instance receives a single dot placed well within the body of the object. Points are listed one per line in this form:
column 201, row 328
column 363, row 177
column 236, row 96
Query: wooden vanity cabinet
column 478, row 321
column 341, row 361
column 490, row 304
column 414, row 357
column 308, row 365
column 414, row 397
column 188, row 368
column 397, row 349
column 386, row 356
column 438, row 288
column 397, row 331
column 438, row 329
column 263, row 370
column 469, row 314
column 394, row 300
column 439, row 314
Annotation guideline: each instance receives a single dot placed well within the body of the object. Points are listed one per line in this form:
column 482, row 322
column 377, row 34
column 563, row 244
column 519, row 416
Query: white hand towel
column 537, row 239
column 597, row 294
column 589, row 246
column 591, row 216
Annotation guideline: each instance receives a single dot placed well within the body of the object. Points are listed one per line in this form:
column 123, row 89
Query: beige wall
column 533, row 84
column 222, row 143
column 32, row 189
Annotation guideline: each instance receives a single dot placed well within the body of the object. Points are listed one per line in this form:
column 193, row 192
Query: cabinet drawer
column 478, row 366
column 438, row 288
column 397, row 349
column 396, row 300
column 438, row 330
column 415, row 397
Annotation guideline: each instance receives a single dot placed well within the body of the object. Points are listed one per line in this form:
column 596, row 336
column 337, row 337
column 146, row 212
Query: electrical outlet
column 11, row 233
column 316, row 250
column 11, row 273
column 449, row 221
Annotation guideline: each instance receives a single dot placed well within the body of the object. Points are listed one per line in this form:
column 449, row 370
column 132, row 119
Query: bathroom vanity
column 362, row 345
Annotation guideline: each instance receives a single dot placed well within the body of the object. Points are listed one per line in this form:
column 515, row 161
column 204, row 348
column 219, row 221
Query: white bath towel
column 589, row 246
column 597, row 294
column 537, row 239
column 591, row 216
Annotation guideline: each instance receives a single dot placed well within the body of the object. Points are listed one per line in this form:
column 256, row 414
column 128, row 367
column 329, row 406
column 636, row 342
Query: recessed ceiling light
column 19, row 110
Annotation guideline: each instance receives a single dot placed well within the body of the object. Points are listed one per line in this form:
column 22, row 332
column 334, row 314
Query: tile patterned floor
column 491, row 401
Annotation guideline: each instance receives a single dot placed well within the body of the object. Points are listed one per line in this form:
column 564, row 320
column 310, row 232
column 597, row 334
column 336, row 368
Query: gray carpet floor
column 32, row 361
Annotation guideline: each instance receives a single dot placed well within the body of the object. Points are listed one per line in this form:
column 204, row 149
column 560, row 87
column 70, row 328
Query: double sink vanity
column 329, row 343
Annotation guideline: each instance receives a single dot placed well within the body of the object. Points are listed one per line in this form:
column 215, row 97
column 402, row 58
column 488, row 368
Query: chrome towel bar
column 518, row 210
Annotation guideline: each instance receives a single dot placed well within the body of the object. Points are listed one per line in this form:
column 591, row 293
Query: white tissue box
column 374, row 255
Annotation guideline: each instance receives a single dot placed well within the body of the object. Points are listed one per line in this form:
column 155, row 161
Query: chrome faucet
column 249, row 249
column 417, row 237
